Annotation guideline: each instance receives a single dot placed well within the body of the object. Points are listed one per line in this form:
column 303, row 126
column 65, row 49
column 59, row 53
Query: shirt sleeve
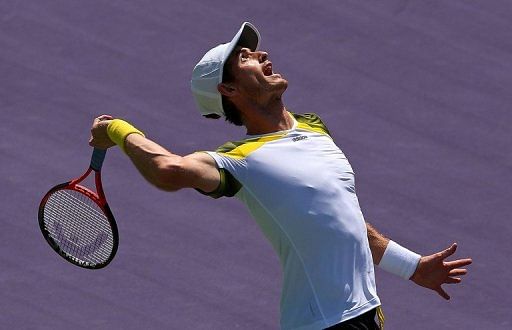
column 228, row 186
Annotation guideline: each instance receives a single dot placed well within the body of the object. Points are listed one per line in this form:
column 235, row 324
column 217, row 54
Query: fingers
column 458, row 263
column 101, row 118
column 448, row 252
column 105, row 117
column 458, row 272
column 442, row 293
column 446, row 272
column 453, row 280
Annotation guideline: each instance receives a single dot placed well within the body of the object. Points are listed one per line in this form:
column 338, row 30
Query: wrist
column 118, row 130
column 399, row 260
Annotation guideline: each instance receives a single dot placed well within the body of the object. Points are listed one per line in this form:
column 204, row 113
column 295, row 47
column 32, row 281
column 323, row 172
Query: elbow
column 168, row 175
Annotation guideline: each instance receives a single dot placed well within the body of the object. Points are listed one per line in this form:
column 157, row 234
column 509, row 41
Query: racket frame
column 97, row 197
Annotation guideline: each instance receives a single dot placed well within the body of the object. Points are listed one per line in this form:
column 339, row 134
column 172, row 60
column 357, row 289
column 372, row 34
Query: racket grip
column 98, row 155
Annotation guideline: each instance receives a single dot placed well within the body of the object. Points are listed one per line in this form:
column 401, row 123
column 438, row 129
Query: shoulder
column 311, row 121
column 241, row 149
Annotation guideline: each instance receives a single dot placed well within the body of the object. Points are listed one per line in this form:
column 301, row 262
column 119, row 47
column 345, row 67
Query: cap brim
column 248, row 36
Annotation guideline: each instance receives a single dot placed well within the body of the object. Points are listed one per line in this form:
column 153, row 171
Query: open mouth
column 267, row 69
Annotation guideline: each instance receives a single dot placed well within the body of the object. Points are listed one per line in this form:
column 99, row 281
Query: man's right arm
column 158, row 165
column 168, row 171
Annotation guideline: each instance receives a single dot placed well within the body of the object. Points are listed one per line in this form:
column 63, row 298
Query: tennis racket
column 77, row 222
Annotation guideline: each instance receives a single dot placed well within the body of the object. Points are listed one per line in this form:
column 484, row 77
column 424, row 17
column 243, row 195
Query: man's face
column 253, row 76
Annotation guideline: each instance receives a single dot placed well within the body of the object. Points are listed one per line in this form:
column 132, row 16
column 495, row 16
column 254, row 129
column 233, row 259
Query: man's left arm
column 430, row 271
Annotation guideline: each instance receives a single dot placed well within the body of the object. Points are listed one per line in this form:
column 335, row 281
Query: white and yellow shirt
column 299, row 187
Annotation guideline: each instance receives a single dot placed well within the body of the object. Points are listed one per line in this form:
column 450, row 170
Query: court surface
column 416, row 93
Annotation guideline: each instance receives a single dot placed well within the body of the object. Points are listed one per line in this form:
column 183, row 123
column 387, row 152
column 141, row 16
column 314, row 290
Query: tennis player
column 297, row 184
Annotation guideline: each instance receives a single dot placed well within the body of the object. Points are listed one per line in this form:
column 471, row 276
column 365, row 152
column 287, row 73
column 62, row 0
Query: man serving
column 297, row 184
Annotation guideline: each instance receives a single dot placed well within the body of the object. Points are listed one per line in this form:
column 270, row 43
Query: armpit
column 228, row 186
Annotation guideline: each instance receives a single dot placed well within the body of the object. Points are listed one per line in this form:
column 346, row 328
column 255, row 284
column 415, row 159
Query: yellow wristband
column 118, row 130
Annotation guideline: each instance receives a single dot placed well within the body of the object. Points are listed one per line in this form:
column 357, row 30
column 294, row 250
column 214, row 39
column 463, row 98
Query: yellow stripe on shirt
column 248, row 146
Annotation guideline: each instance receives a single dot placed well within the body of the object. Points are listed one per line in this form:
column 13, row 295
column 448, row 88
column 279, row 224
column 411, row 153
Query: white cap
column 207, row 74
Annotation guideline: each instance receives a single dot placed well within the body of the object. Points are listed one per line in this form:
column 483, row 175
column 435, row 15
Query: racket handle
column 98, row 155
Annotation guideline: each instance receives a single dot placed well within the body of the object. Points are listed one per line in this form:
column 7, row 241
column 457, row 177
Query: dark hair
column 230, row 110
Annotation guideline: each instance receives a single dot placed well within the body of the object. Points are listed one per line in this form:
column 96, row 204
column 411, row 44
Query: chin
column 283, row 85
column 277, row 86
column 279, row 81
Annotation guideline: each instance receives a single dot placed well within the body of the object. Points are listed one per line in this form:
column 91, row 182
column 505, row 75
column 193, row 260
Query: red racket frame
column 98, row 197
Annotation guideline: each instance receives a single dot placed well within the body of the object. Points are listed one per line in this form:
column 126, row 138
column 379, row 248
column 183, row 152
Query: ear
column 226, row 89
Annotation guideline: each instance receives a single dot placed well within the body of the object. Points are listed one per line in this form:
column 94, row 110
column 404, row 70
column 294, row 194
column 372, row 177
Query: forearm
column 390, row 256
column 378, row 243
column 155, row 163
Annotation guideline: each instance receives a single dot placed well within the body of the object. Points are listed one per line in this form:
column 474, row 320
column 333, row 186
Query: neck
column 263, row 120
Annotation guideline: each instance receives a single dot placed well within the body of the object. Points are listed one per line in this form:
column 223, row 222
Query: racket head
column 79, row 225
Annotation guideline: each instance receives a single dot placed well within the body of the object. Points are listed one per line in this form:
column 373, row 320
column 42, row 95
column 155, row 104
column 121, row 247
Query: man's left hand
column 433, row 270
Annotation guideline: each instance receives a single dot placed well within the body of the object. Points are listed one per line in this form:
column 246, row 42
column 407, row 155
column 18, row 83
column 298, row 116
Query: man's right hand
column 99, row 137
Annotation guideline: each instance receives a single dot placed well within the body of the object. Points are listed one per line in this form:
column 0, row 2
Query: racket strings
column 78, row 226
